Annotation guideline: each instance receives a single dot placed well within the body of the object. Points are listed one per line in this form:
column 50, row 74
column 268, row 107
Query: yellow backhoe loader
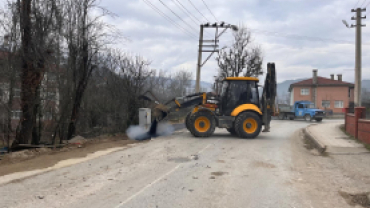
column 238, row 108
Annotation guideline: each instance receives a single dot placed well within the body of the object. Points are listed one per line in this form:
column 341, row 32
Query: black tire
column 318, row 119
column 248, row 125
column 231, row 130
column 202, row 124
column 307, row 117
column 187, row 121
column 291, row 117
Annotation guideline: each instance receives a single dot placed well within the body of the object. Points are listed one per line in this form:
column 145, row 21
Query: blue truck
column 301, row 109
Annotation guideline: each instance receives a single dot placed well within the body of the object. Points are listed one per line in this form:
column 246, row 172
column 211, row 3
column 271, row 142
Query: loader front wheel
column 248, row 125
column 202, row 124
column 187, row 121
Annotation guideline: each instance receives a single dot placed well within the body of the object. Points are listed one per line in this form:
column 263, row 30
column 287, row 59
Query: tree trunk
column 75, row 112
column 29, row 77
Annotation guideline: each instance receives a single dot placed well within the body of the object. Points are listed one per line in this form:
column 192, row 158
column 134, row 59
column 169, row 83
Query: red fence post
column 346, row 111
column 359, row 114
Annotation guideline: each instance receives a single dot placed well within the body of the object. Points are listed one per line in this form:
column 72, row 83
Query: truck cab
column 307, row 110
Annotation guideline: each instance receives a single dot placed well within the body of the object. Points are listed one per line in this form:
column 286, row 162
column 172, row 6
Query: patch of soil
column 33, row 159
column 362, row 199
column 260, row 164
column 219, row 173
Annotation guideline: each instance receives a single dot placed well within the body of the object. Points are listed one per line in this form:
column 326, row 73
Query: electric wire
column 300, row 37
column 363, row 3
column 198, row 10
column 356, row 4
column 187, row 12
column 168, row 18
column 210, row 10
column 174, row 13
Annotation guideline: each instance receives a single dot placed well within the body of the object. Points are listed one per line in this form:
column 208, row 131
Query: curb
column 320, row 147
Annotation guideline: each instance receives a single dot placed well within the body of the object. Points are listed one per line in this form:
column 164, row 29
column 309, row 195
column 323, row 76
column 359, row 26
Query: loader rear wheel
column 248, row 125
column 202, row 124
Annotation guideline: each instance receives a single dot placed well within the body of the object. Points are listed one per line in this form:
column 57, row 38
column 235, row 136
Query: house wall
column 325, row 93
column 333, row 94
column 298, row 96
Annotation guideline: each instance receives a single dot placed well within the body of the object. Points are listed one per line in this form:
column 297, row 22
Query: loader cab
column 237, row 91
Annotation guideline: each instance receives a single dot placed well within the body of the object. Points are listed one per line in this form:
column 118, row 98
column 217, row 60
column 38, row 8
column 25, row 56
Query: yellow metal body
column 245, row 107
column 177, row 103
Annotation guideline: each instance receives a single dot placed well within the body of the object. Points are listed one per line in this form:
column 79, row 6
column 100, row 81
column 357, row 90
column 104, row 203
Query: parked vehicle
column 301, row 109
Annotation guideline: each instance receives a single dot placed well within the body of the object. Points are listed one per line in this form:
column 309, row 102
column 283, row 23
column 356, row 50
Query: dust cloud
column 140, row 133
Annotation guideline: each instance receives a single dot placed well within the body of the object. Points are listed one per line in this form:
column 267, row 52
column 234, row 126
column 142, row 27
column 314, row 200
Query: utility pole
column 199, row 65
column 358, row 78
column 213, row 46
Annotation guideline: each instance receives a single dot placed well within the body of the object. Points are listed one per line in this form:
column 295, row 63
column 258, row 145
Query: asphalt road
column 177, row 171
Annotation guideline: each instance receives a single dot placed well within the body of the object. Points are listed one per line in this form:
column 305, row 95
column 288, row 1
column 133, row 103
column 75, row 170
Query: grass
column 367, row 146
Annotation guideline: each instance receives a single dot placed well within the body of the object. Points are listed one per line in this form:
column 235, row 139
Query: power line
column 176, row 15
column 300, row 37
column 210, row 10
column 187, row 12
column 367, row 5
column 363, row 3
column 198, row 10
column 356, row 4
column 168, row 18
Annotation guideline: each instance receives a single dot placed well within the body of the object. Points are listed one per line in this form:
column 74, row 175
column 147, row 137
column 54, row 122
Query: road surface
column 182, row 171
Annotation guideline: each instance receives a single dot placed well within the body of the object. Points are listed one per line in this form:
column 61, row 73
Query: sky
column 297, row 35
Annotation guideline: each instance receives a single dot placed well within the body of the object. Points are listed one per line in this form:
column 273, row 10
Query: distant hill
column 283, row 87
column 208, row 86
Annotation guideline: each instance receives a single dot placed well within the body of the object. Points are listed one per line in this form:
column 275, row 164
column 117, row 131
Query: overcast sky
column 285, row 29
column 298, row 35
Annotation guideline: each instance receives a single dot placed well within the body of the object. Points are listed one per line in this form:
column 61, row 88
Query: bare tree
column 87, row 35
column 36, row 22
column 241, row 58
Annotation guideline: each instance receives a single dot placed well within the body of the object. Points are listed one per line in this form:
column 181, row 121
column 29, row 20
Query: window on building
column 16, row 92
column 305, row 91
column 338, row 104
column 326, row 103
column 16, row 114
column 349, row 92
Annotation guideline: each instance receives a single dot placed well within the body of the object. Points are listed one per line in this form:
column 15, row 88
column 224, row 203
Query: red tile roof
column 321, row 81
